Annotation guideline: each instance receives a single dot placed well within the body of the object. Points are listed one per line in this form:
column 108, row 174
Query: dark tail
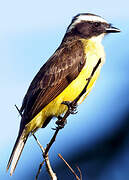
column 16, row 152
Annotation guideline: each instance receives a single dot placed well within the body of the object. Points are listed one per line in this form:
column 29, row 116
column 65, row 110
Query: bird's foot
column 88, row 79
column 61, row 123
column 72, row 107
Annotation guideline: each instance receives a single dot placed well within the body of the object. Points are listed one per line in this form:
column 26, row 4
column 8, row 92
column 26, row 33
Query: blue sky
column 30, row 31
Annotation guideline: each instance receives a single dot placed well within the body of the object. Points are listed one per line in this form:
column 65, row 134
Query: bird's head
column 87, row 25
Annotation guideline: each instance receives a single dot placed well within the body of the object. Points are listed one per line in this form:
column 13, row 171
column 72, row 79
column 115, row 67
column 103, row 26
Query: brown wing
column 54, row 76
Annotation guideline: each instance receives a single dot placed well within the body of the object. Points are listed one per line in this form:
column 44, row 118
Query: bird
column 63, row 77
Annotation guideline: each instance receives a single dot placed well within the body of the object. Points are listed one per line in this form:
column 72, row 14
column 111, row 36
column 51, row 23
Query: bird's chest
column 94, row 52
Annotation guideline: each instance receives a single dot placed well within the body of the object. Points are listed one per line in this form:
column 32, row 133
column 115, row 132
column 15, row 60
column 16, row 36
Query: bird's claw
column 61, row 123
column 72, row 107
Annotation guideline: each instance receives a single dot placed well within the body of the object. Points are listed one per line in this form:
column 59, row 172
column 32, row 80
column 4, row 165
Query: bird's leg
column 72, row 106
column 61, row 123
column 72, row 109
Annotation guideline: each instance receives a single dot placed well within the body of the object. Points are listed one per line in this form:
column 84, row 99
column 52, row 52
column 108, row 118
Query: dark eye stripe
column 97, row 24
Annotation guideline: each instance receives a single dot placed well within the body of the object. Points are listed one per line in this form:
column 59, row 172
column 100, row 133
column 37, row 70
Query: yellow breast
column 93, row 52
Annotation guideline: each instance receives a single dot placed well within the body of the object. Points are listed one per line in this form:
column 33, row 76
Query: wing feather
column 54, row 76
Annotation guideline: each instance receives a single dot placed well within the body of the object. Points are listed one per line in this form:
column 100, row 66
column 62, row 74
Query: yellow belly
column 55, row 108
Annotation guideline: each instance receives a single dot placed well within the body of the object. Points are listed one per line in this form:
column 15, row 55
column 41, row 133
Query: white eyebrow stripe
column 87, row 18
column 91, row 18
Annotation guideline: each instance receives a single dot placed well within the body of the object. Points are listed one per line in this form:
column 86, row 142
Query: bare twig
column 39, row 170
column 41, row 164
column 41, row 147
column 51, row 141
column 49, row 168
column 88, row 81
column 69, row 167
column 79, row 172
column 46, row 160
column 18, row 110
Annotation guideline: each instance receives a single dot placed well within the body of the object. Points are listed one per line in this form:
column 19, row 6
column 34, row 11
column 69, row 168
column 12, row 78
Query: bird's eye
column 97, row 24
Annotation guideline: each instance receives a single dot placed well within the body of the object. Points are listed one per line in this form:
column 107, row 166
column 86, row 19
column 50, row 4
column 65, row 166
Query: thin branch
column 88, row 81
column 18, row 110
column 51, row 141
column 41, row 147
column 39, row 170
column 69, row 167
column 47, row 162
column 49, row 168
column 41, row 164
column 79, row 172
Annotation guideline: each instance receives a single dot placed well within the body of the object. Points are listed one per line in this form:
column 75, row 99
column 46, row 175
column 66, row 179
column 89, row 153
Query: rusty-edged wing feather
column 54, row 76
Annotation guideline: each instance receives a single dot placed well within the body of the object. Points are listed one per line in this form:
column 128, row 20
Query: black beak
column 112, row 29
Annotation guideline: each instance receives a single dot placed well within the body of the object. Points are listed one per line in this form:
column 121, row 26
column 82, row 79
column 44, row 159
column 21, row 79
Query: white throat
column 97, row 39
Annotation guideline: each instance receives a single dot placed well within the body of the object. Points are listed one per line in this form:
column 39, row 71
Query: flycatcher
column 63, row 77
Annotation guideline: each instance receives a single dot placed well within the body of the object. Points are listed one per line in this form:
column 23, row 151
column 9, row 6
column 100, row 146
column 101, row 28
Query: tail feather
column 16, row 152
